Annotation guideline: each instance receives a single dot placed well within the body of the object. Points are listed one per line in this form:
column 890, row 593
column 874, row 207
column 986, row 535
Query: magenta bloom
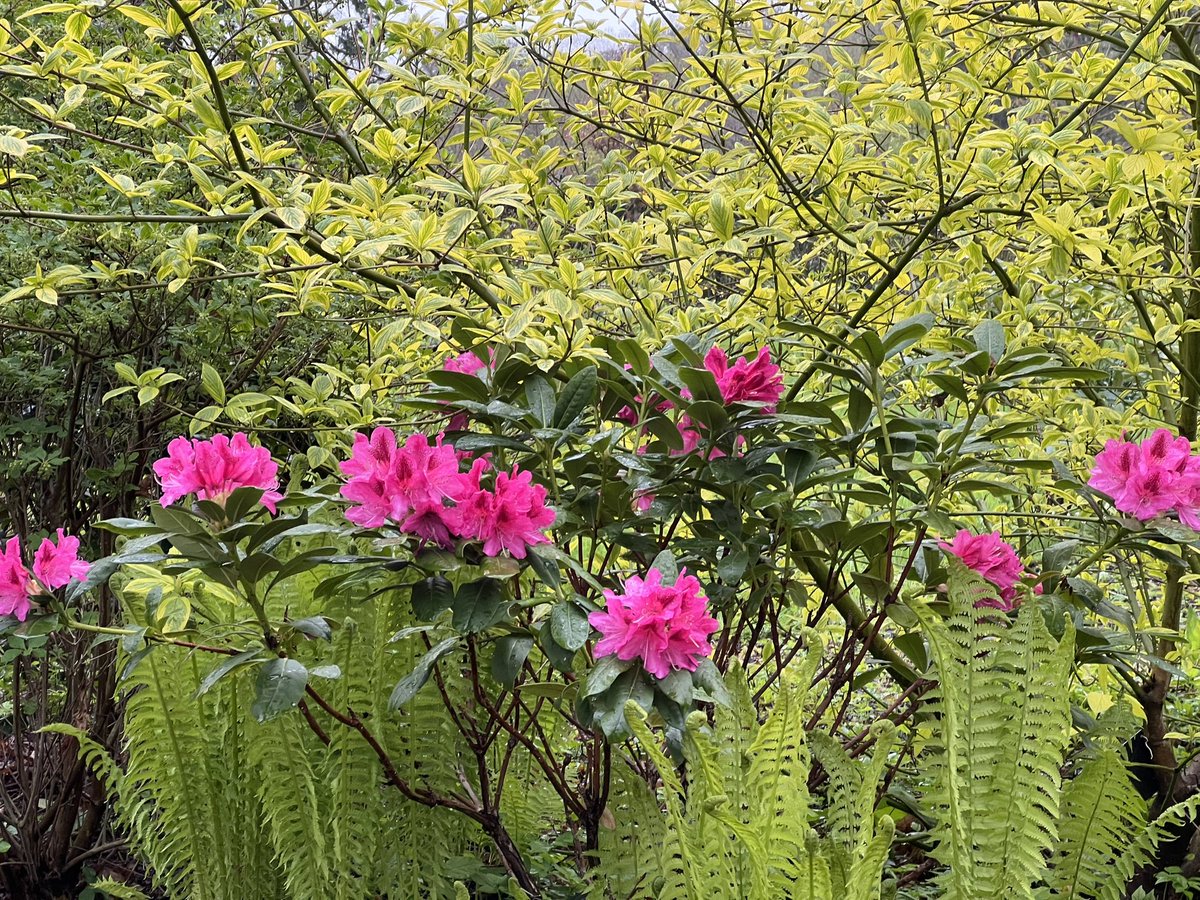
column 408, row 485
column 55, row 566
column 513, row 516
column 665, row 626
column 467, row 363
column 753, row 381
column 371, row 485
column 992, row 558
column 1149, row 479
column 214, row 469
column 14, row 581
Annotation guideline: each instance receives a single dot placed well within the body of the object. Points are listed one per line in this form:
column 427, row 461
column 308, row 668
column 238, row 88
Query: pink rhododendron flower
column 467, row 363
column 55, row 565
column 992, row 558
column 665, row 626
column 214, row 469
column 1151, row 478
column 371, row 486
column 513, row 516
column 689, row 433
column 754, row 381
column 14, row 581
column 408, row 485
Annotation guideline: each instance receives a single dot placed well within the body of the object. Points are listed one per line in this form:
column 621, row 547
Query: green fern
column 739, row 828
column 1004, row 727
column 117, row 890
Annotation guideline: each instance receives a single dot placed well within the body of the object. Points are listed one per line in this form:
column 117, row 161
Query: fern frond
column 117, row 890
column 1141, row 850
column 1102, row 815
column 1004, row 726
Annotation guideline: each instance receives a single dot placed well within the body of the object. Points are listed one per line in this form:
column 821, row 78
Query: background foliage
column 966, row 229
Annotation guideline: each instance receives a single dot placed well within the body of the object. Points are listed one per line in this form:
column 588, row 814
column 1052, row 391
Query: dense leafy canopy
column 965, row 231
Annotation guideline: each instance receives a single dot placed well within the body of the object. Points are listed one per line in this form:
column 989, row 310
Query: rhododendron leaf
column 868, row 348
column 604, row 673
column 242, row 501
column 457, row 385
column 666, row 564
column 576, row 396
column 430, row 596
column 665, row 430
column 609, row 707
column 279, row 687
column 905, row 333
column 559, row 656
column 98, row 574
column 314, row 626
column 500, row 567
column 309, row 560
column 174, row 521
column 978, row 363
column 711, row 415
column 708, row 677
column 409, row 632
column 479, row 605
column 545, row 569
column 634, row 353
column 732, row 566
column 1174, row 531
column 268, row 540
column 255, row 567
column 407, row 687
column 1058, row 556
column 678, row 686
column 509, row 657
column 128, row 527
column 540, row 397
column 569, row 625
column 432, row 559
column 477, row 441
column 226, row 666
column 549, row 551
column 702, row 385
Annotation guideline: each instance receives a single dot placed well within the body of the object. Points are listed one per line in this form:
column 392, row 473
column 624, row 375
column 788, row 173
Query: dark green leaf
column 279, row 687
column 576, row 396
column 226, row 666
column 407, row 687
column 604, row 673
column 128, row 527
column 479, row 605
column 540, row 397
column 989, row 337
column 314, row 627
column 569, row 625
column 678, row 686
column 509, row 656
column 665, row 563
column 430, row 596
column 708, row 677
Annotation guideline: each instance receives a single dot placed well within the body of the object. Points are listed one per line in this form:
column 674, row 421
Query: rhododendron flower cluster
column 1151, row 478
column 994, row 559
column 756, row 380
column 468, row 363
column 214, row 469
column 418, row 487
column 55, row 564
column 665, row 626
